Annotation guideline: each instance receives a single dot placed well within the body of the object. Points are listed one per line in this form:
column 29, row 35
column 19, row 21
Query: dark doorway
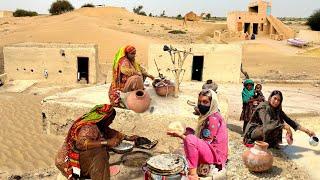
column 247, row 27
column 254, row 9
column 197, row 68
column 255, row 28
column 83, row 69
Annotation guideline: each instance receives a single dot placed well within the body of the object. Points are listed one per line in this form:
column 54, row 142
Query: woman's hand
column 151, row 77
column 113, row 142
column 286, row 127
column 310, row 133
column 307, row 131
column 176, row 134
column 131, row 138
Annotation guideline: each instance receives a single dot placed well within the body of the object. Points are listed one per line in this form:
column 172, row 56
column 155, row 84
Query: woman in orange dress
column 128, row 75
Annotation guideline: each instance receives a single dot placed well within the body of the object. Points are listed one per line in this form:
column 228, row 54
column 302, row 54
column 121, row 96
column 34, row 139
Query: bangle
column 86, row 144
column 125, row 137
column 104, row 142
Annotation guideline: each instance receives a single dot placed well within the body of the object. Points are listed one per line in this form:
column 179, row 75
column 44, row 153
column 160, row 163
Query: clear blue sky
column 296, row 8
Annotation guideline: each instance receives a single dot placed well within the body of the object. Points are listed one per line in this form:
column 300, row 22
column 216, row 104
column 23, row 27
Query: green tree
column 22, row 13
column 60, row 6
column 314, row 20
column 179, row 16
column 163, row 14
column 208, row 16
column 138, row 10
column 88, row 5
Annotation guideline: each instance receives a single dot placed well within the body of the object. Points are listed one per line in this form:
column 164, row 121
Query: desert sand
column 24, row 147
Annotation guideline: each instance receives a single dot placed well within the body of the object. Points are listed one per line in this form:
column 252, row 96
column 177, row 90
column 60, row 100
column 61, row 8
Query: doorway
column 83, row 69
column 197, row 68
column 255, row 28
column 247, row 27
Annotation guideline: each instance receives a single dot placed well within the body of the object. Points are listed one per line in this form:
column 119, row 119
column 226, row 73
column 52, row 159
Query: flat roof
column 54, row 45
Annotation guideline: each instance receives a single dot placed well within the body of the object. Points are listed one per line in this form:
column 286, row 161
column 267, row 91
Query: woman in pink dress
column 210, row 144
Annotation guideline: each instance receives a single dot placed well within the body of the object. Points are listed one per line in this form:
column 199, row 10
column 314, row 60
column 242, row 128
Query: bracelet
column 86, row 144
column 104, row 142
column 126, row 137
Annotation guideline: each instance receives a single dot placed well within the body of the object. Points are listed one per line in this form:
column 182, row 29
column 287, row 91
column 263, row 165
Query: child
column 258, row 96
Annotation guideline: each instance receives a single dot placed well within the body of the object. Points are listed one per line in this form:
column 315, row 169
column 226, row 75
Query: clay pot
column 163, row 87
column 138, row 101
column 258, row 158
column 210, row 85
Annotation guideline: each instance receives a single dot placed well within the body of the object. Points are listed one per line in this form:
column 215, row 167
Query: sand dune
column 109, row 27
column 23, row 146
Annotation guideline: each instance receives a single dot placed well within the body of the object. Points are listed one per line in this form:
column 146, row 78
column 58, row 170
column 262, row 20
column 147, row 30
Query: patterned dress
column 124, row 71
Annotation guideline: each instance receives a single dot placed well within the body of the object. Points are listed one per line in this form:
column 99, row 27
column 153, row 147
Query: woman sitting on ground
column 210, row 144
column 269, row 120
column 84, row 152
column 128, row 75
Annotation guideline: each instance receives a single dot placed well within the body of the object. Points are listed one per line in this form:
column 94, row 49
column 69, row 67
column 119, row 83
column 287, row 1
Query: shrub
column 163, row 14
column 138, row 10
column 87, row 5
column 179, row 17
column 208, row 16
column 314, row 21
column 177, row 32
column 60, row 6
column 22, row 13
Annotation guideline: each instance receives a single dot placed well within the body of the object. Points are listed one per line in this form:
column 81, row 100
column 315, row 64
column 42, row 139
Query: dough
column 177, row 126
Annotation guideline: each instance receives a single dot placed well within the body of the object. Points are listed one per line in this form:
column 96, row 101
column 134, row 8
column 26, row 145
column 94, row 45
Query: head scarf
column 96, row 114
column 119, row 55
column 130, row 49
column 246, row 94
column 214, row 107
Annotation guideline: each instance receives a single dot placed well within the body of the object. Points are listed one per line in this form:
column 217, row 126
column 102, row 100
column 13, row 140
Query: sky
column 281, row 8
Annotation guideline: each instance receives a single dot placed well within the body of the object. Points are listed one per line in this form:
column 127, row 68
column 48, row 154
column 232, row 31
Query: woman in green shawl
column 247, row 94
column 84, row 153
column 128, row 74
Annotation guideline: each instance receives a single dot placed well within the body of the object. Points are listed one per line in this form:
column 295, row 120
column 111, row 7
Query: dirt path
column 304, row 154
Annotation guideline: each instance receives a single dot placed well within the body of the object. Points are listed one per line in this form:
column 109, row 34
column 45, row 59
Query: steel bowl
column 123, row 147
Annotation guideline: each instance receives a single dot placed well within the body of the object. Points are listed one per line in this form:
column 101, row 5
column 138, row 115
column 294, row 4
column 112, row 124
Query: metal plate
column 123, row 147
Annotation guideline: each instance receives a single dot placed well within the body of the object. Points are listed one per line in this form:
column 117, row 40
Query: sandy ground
column 24, row 149
column 112, row 28
column 23, row 146
column 30, row 154
column 266, row 59
column 301, row 152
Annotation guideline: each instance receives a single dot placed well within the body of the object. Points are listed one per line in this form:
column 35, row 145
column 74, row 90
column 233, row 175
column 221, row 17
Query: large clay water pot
column 210, row 85
column 258, row 158
column 138, row 101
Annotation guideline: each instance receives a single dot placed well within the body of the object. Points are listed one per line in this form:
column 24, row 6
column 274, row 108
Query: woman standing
column 247, row 95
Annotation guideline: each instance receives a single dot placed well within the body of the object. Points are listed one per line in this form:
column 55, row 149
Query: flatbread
column 166, row 163
column 177, row 126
